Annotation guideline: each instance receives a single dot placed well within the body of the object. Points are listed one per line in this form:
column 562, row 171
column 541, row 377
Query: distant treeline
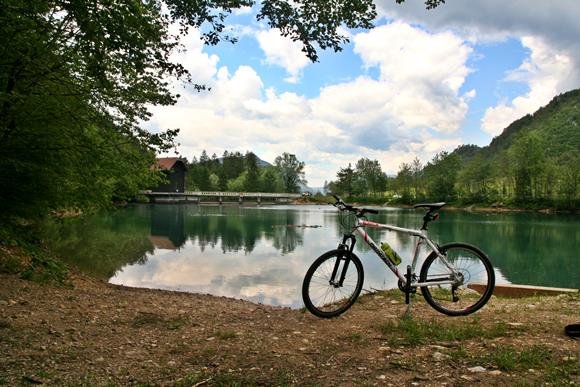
column 237, row 172
column 524, row 176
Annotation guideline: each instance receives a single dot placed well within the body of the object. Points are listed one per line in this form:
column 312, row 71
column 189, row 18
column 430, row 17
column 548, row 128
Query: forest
column 237, row 172
column 532, row 164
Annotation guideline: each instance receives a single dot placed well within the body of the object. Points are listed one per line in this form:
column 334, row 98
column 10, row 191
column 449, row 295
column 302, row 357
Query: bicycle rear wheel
column 473, row 269
column 332, row 283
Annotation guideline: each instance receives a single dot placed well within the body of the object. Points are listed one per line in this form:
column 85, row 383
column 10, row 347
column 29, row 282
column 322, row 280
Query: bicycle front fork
column 347, row 249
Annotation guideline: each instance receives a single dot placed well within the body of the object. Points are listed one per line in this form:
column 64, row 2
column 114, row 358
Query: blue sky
column 419, row 83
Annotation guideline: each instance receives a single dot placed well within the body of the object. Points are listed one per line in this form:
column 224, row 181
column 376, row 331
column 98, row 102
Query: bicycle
column 447, row 277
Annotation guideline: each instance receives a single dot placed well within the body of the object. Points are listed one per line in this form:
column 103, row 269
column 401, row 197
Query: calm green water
column 262, row 253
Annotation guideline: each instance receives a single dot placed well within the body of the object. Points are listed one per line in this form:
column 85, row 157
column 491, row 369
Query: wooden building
column 175, row 169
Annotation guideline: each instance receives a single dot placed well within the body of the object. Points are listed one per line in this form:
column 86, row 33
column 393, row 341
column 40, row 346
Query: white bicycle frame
column 421, row 238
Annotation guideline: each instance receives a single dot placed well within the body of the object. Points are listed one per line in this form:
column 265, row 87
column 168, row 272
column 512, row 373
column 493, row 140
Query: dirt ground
column 100, row 334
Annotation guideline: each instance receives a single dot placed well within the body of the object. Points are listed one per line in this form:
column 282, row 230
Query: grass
column 21, row 253
column 408, row 332
column 552, row 368
column 508, row 359
column 225, row 335
column 151, row 319
column 549, row 366
column 354, row 337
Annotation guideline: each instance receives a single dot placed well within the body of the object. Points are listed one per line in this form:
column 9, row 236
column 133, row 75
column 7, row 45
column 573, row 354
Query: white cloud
column 546, row 71
column 550, row 29
column 283, row 52
column 410, row 110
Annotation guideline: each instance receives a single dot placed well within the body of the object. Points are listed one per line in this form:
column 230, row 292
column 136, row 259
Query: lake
column 262, row 253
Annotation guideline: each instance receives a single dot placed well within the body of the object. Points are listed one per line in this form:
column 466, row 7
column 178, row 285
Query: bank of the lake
column 94, row 333
column 451, row 206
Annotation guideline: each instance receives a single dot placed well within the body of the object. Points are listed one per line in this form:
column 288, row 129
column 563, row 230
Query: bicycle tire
column 475, row 268
column 320, row 296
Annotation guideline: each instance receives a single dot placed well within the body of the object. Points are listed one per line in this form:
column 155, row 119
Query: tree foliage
column 245, row 173
column 77, row 78
column 291, row 172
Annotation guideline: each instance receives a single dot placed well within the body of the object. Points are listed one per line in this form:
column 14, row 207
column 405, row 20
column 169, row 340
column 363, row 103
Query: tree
column 270, row 180
column 291, row 172
column 369, row 176
column 345, row 184
column 441, row 175
column 404, row 182
column 417, row 173
column 252, row 183
column 527, row 161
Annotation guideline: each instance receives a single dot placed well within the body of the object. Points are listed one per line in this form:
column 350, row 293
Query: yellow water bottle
column 390, row 253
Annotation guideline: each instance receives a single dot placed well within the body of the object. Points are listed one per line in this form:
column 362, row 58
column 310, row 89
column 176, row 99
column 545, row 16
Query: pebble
column 495, row 372
column 476, row 369
column 438, row 356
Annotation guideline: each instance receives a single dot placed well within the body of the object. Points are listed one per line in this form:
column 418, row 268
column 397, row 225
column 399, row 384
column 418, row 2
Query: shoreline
column 95, row 333
column 469, row 208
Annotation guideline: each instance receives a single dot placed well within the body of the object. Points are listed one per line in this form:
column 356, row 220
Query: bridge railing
column 231, row 194
column 243, row 194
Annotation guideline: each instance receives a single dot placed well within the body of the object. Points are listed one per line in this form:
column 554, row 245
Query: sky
column 420, row 82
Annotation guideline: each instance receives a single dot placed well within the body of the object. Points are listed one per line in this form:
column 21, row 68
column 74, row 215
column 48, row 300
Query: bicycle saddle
column 431, row 206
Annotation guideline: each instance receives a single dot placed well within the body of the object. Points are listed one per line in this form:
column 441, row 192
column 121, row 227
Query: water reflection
column 229, row 251
column 167, row 229
column 262, row 253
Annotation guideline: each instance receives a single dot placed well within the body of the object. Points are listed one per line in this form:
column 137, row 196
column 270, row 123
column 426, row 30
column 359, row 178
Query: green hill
column 558, row 124
column 532, row 163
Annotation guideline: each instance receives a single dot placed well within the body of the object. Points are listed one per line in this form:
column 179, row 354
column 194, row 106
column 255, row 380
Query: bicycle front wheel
column 332, row 283
column 473, row 275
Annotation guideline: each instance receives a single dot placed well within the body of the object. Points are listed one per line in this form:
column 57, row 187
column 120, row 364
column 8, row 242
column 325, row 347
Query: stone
column 476, row 369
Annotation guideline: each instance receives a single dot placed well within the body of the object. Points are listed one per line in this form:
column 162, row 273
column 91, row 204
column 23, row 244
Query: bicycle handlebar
column 341, row 205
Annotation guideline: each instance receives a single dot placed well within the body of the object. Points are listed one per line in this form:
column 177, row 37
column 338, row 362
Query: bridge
column 204, row 197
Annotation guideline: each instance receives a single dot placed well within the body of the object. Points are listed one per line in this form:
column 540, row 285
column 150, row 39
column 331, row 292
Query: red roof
column 166, row 163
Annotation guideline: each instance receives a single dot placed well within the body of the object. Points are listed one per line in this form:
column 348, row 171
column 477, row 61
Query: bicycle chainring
column 402, row 286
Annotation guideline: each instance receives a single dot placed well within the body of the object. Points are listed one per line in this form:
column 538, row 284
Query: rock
column 476, row 369
column 495, row 372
